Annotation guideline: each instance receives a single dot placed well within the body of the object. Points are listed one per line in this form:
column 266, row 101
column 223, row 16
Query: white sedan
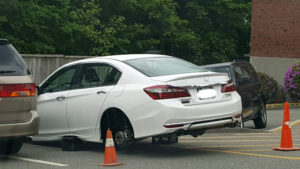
column 136, row 96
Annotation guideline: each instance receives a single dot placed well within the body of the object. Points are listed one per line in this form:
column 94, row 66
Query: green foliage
column 200, row 31
column 58, row 26
column 223, row 25
column 272, row 90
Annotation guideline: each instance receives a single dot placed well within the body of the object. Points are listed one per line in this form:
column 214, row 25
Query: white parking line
column 37, row 161
column 230, row 141
column 277, row 129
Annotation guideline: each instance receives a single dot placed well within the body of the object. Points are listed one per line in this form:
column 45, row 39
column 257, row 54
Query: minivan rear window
column 11, row 63
column 162, row 66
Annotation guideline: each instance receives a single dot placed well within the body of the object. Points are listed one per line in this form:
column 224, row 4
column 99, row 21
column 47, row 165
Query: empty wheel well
column 116, row 120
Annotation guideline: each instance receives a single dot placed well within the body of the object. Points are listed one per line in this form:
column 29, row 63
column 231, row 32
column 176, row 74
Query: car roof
column 127, row 57
column 224, row 64
column 120, row 58
column 218, row 64
column 4, row 41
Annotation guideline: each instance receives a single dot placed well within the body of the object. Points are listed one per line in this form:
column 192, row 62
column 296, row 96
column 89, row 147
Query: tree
column 200, row 31
column 69, row 27
column 223, row 25
column 21, row 24
column 154, row 24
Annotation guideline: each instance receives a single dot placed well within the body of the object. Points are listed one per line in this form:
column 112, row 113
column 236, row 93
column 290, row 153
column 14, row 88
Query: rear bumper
column 169, row 116
column 206, row 123
column 28, row 128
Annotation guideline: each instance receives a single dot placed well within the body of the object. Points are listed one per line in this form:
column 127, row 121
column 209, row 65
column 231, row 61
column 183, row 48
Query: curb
column 275, row 106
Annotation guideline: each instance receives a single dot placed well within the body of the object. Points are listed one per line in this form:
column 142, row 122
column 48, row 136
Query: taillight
column 166, row 92
column 17, row 90
column 229, row 87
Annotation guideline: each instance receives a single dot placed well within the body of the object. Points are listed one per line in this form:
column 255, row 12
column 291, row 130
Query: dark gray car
column 248, row 86
column 18, row 115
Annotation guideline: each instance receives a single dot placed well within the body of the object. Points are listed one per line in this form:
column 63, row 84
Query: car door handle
column 60, row 98
column 101, row 92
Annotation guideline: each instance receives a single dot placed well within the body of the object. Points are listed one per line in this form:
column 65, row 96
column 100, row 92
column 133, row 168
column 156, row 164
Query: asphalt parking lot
column 225, row 148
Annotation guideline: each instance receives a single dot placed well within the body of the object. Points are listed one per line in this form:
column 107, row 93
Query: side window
column 252, row 72
column 242, row 76
column 238, row 72
column 60, row 81
column 93, row 75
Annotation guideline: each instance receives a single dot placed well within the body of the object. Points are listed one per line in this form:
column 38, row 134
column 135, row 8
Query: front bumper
column 28, row 128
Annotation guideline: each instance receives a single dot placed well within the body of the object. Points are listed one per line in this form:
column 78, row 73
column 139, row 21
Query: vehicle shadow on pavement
column 56, row 144
column 84, row 146
column 140, row 148
column 3, row 158
column 149, row 150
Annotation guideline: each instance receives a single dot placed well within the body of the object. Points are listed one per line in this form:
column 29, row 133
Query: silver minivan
column 18, row 115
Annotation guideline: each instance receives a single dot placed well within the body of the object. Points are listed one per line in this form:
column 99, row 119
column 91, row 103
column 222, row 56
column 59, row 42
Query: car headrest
column 90, row 75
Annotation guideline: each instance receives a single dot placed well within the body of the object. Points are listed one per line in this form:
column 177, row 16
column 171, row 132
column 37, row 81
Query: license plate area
column 207, row 92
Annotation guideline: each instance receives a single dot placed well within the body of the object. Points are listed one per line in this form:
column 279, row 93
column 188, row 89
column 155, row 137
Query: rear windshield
column 161, row 66
column 223, row 69
column 11, row 63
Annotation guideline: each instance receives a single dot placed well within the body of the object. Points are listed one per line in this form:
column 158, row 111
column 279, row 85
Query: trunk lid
column 204, row 87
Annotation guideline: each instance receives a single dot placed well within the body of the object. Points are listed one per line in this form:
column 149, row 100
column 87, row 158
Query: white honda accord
column 136, row 96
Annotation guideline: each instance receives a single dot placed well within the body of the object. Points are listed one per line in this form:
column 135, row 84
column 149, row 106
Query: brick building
column 275, row 36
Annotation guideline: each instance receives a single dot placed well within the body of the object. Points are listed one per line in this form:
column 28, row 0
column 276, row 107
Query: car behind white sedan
column 136, row 96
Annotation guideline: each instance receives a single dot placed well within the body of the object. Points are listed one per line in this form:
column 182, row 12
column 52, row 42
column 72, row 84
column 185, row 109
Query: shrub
column 272, row 90
column 292, row 82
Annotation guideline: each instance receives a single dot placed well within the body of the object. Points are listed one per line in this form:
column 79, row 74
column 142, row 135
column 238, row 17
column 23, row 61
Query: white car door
column 84, row 104
column 52, row 102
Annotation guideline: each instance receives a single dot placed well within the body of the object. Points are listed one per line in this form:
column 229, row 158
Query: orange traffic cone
column 286, row 132
column 110, row 155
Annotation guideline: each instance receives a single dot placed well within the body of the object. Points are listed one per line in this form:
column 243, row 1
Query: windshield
column 223, row 69
column 11, row 63
column 161, row 66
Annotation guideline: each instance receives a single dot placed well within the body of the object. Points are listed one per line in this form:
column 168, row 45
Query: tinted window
column 11, row 63
column 223, row 69
column 252, row 72
column 60, row 81
column 163, row 66
column 241, row 74
column 238, row 72
column 93, row 75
